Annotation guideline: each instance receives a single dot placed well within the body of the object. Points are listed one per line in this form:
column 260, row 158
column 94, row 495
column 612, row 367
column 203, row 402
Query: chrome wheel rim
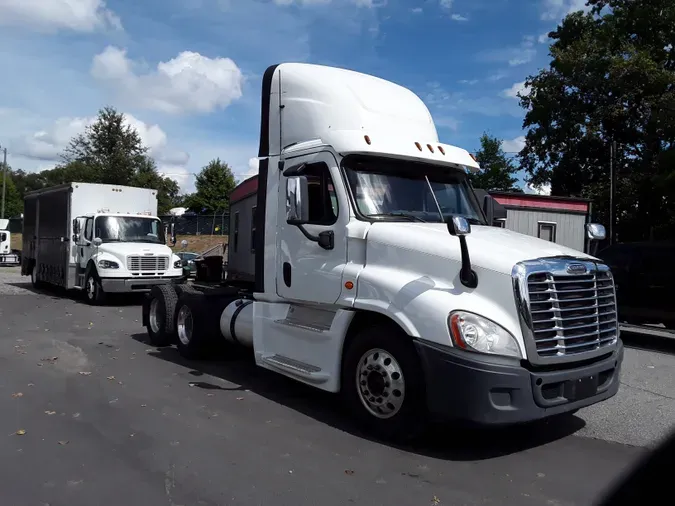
column 154, row 315
column 380, row 383
column 184, row 325
column 33, row 274
column 90, row 287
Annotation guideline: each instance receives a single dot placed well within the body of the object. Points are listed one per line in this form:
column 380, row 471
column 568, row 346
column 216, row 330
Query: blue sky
column 187, row 72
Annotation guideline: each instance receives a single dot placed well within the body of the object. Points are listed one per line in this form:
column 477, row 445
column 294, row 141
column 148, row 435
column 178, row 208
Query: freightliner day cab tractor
column 97, row 238
column 375, row 272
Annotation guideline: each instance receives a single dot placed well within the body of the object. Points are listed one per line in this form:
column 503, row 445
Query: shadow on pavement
column 649, row 342
column 54, row 292
column 440, row 441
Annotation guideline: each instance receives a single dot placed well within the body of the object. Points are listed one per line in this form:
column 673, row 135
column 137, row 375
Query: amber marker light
column 349, row 285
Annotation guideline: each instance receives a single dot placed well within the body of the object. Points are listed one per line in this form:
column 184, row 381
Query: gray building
column 557, row 219
column 241, row 244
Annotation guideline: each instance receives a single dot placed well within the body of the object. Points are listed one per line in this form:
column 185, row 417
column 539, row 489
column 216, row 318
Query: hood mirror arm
column 459, row 226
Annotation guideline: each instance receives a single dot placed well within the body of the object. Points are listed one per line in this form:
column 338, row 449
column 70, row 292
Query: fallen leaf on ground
column 64, row 443
column 435, row 501
column 85, row 373
column 143, row 405
column 111, row 377
column 50, row 412
column 18, row 394
column 240, row 398
column 31, row 384
column 20, row 432
column 349, row 471
column 49, row 359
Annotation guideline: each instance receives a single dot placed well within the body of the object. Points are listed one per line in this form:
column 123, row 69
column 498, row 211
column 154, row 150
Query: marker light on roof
column 367, row 139
column 419, row 146
column 473, row 157
column 440, row 148
column 430, row 147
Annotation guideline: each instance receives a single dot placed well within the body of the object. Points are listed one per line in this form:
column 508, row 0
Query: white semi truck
column 372, row 271
column 97, row 238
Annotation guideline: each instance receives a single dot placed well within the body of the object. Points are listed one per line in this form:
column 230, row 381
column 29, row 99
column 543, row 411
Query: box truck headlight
column 475, row 333
column 178, row 264
column 108, row 264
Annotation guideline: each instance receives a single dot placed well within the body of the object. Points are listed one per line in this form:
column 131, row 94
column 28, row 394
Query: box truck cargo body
column 96, row 237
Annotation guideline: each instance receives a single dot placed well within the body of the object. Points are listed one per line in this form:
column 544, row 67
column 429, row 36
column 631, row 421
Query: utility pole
column 4, row 180
column 612, row 185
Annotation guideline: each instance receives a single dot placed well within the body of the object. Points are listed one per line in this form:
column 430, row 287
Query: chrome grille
column 147, row 263
column 572, row 314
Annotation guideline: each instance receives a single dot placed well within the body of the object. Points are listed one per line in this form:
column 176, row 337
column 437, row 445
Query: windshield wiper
column 410, row 217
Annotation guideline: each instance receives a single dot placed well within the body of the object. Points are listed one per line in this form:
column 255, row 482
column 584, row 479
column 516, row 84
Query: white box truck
column 98, row 238
column 362, row 263
column 8, row 256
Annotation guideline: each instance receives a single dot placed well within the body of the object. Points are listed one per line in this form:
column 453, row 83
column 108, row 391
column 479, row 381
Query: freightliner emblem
column 576, row 269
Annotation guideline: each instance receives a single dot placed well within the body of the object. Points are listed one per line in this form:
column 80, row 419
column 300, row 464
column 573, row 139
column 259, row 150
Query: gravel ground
column 109, row 420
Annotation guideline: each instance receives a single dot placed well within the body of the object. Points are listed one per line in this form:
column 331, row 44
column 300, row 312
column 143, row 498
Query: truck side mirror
column 297, row 200
column 596, row 232
column 97, row 241
column 173, row 234
column 460, row 227
column 76, row 226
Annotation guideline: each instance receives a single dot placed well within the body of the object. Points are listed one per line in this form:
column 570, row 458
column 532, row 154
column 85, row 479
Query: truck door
column 84, row 245
column 305, row 270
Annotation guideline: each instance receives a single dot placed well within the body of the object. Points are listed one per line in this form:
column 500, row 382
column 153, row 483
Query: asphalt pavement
column 92, row 415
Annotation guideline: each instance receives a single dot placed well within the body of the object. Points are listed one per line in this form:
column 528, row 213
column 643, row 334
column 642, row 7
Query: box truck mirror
column 173, row 234
column 97, row 241
column 76, row 226
column 297, row 201
column 460, row 227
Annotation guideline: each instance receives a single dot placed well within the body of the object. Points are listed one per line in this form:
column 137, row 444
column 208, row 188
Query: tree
column 214, row 184
column 497, row 170
column 167, row 189
column 13, row 200
column 112, row 151
column 611, row 79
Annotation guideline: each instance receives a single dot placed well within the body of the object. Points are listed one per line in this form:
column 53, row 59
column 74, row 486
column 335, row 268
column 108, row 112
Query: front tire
column 92, row 289
column 383, row 383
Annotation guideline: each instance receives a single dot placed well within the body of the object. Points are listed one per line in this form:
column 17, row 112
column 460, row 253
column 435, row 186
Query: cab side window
column 323, row 204
column 89, row 229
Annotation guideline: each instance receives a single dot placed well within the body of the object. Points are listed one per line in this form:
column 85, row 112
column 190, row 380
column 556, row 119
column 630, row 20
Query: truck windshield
column 398, row 190
column 129, row 229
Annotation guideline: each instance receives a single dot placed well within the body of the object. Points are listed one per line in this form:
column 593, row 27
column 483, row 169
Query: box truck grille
column 572, row 314
column 147, row 263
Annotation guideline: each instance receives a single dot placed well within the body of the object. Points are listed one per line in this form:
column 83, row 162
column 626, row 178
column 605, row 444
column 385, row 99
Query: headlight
column 108, row 264
column 475, row 333
column 178, row 264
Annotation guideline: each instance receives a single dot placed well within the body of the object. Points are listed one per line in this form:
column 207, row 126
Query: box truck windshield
column 129, row 229
column 403, row 190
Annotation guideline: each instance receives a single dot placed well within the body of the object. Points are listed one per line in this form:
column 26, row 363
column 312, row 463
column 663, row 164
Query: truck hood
column 134, row 248
column 490, row 248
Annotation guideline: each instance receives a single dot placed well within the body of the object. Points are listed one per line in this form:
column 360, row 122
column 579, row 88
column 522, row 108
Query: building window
column 236, row 231
column 547, row 231
column 253, row 229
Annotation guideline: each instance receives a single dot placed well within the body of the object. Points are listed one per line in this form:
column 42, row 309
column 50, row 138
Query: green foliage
column 106, row 152
column 13, row 201
column 497, row 171
column 214, row 184
column 611, row 78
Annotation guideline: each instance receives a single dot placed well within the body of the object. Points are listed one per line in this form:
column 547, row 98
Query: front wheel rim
column 90, row 288
column 154, row 316
column 380, row 384
column 184, row 325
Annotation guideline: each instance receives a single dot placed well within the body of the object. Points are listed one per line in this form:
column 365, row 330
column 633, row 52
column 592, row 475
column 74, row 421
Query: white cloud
column 514, row 145
column 543, row 38
column 458, row 17
column 446, row 4
column 358, row 3
column 54, row 15
column 48, row 144
column 416, row 10
column 514, row 55
column 515, row 90
column 538, row 190
column 556, row 9
column 189, row 82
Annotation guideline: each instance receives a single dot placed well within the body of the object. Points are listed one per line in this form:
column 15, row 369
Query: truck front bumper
column 119, row 285
column 9, row 259
column 491, row 390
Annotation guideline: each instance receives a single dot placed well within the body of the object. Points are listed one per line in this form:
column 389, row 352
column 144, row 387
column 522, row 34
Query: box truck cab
column 97, row 238
column 7, row 255
column 373, row 271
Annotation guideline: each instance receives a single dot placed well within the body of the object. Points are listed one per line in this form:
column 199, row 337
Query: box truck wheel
column 194, row 325
column 383, row 382
column 34, row 276
column 161, row 315
column 92, row 288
